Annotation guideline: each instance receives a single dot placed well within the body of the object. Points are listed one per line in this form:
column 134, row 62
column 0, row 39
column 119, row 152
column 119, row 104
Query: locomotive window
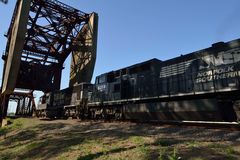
column 97, row 81
column 42, row 99
column 102, row 79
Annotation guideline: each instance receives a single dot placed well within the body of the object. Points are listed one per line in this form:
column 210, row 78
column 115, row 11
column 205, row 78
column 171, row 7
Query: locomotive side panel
column 201, row 109
column 209, row 71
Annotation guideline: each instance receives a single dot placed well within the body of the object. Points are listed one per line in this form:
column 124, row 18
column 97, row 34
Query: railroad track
column 234, row 126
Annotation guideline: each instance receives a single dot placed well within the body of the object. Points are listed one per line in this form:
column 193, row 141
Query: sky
column 132, row 31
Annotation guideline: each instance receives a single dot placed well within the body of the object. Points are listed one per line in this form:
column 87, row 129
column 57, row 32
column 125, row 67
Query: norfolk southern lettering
column 215, row 74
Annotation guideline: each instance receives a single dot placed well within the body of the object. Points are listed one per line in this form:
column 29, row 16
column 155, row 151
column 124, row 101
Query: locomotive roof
column 215, row 48
column 151, row 61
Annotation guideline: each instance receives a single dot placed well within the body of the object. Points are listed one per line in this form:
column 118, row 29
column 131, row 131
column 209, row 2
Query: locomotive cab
column 77, row 108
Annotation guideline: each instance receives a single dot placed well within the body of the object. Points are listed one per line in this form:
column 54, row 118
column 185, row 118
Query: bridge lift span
column 42, row 34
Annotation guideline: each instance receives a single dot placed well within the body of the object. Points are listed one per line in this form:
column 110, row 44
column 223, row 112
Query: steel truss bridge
column 42, row 34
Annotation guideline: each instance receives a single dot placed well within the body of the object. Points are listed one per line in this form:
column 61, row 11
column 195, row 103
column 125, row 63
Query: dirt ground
column 87, row 140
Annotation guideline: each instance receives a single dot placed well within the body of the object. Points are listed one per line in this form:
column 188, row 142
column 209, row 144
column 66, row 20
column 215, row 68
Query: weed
column 173, row 156
column 161, row 153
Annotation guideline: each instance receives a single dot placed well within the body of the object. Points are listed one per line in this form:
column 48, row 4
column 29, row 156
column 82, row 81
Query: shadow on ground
column 45, row 141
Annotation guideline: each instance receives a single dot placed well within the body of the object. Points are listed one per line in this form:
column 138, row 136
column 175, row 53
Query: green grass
column 3, row 131
column 13, row 124
column 34, row 139
column 33, row 145
column 138, row 140
column 144, row 151
column 228, row 150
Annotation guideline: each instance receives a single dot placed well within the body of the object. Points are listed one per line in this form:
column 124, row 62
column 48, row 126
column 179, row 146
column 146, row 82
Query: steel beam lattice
column 25, row 103
column 41, row 36
column 52, row 28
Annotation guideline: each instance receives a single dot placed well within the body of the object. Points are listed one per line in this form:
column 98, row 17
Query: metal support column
column 3, row 110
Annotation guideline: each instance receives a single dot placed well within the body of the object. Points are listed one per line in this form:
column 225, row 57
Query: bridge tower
column 42, row 34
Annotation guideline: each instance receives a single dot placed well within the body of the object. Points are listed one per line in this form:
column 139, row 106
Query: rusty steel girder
column 25, row 103
column 52, row 28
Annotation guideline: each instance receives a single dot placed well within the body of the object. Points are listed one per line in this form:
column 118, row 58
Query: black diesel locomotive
column 200, row 86
column 69, row 102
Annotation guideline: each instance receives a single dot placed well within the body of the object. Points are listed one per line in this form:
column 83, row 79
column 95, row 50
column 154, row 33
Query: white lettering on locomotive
column 215, row 74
